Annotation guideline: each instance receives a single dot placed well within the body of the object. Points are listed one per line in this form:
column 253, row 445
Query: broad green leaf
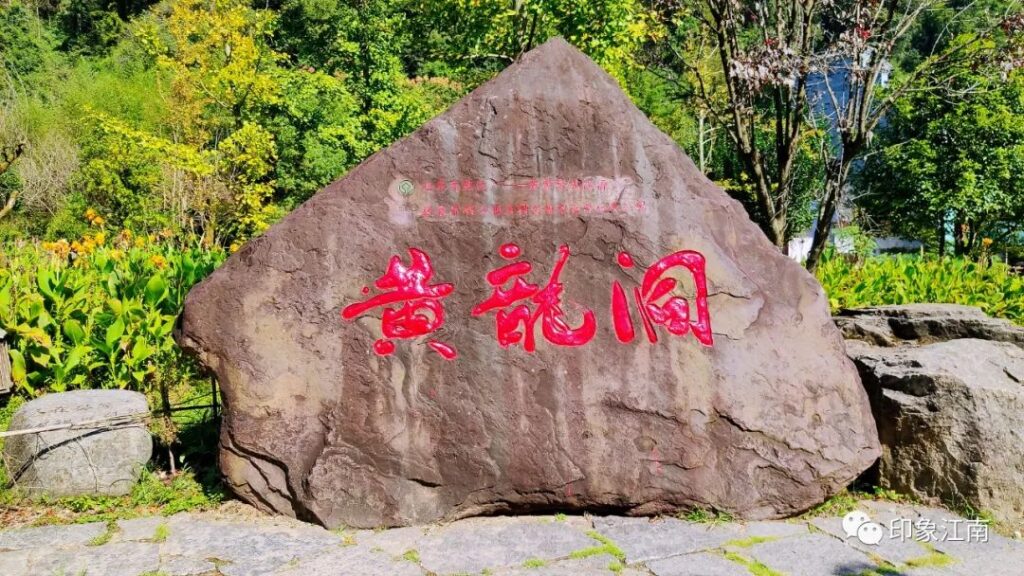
column 114, row 333
column 17, row 366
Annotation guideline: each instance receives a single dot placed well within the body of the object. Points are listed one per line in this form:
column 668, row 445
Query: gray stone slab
column 115, row 559
column 351, row 561
column 15, row 562
column 185, row 566
column 141, row 529
column 699, row 564
column 56, row 536
column 478, row 543
column 642, row 539
column 771, row 529
column 394, row 542
column 893, row 548
column 246, row 549
column 811, row 555
column 591, row 566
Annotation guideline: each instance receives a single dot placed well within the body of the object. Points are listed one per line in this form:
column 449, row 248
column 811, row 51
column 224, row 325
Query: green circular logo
column 405, row 187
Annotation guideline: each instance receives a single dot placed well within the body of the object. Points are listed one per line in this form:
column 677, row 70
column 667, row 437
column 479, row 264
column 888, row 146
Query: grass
column 161, row 533
column 107, row 535
column 753, row 566
column 706, row 516
column 411, row 556
column 534, row 563
column 933, row 559
column 748, row 542
column 846, row 501
column 154, row 493
column 839, row 505
column 607, row 547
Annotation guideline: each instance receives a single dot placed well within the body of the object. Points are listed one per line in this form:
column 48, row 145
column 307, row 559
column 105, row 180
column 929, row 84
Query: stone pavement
column 237, row 544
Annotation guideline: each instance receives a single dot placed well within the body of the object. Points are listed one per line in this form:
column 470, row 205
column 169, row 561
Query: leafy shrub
column 905, row 279
column 95, row 313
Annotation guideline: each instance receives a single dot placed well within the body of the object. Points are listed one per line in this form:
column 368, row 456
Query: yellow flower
column 98, row 221
column 76, row 246
column 100, row 238
column 158, row 261
column 234, row 248
column 986, row 242
column 140, row 242
column 90, row 214
column 116, row 254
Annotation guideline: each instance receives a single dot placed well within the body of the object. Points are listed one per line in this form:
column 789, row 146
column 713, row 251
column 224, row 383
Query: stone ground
column 236, row 541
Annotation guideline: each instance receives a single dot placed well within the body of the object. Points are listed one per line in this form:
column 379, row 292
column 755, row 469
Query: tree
column 952, row 167
column 12, row 146
column 774, row 53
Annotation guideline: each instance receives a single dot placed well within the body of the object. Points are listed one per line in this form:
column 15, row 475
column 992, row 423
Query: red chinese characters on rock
column 413, row 308
column 657, row 306
column 418, row 311
column 516, row 325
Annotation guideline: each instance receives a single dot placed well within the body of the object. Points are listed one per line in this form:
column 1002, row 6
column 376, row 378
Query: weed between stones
column 753, row 566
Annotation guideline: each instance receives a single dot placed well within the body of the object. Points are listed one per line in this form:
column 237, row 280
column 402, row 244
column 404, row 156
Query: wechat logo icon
column 858, row 525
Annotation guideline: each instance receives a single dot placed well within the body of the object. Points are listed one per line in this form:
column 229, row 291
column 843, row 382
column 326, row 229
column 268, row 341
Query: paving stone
column 115, row 559
column 478, row 543
column 350, row 561
column 768, row 529
column 597, row 565
column 699, row 564
column 247, row 550
column 195, row 546
column 140, row 529
column 643, row 539
column 394, row 542
column 811, row 555
column 185, row 566
column 15, row 562
column 895, row 550
column 58, row 536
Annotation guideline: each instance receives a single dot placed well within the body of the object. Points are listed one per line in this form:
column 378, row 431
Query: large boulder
column 88, row 442
column 950, row 409
column 924, row 323
column 389, row 356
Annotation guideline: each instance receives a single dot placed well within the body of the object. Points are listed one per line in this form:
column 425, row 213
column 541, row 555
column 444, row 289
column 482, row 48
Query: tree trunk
column 9, row 205
column 835, row 181
column 942, row 236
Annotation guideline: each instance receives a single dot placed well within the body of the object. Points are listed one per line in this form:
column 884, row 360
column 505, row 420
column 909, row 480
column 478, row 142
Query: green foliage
column 706, row 516
column 103, row 321
column 906, row 279
column 6, row 413
column 952, row 167
column 154, row 493
column 26, row 44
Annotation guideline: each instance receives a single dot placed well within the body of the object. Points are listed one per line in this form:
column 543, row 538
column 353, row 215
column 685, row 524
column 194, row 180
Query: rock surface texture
column 103, row 459
column 950, row 413
column 501, row 364
column 924, row 323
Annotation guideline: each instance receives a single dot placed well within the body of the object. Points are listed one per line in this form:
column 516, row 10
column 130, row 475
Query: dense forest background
column 210, row 119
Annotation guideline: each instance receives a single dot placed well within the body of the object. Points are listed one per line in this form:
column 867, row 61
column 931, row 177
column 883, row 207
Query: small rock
column 102, row 460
